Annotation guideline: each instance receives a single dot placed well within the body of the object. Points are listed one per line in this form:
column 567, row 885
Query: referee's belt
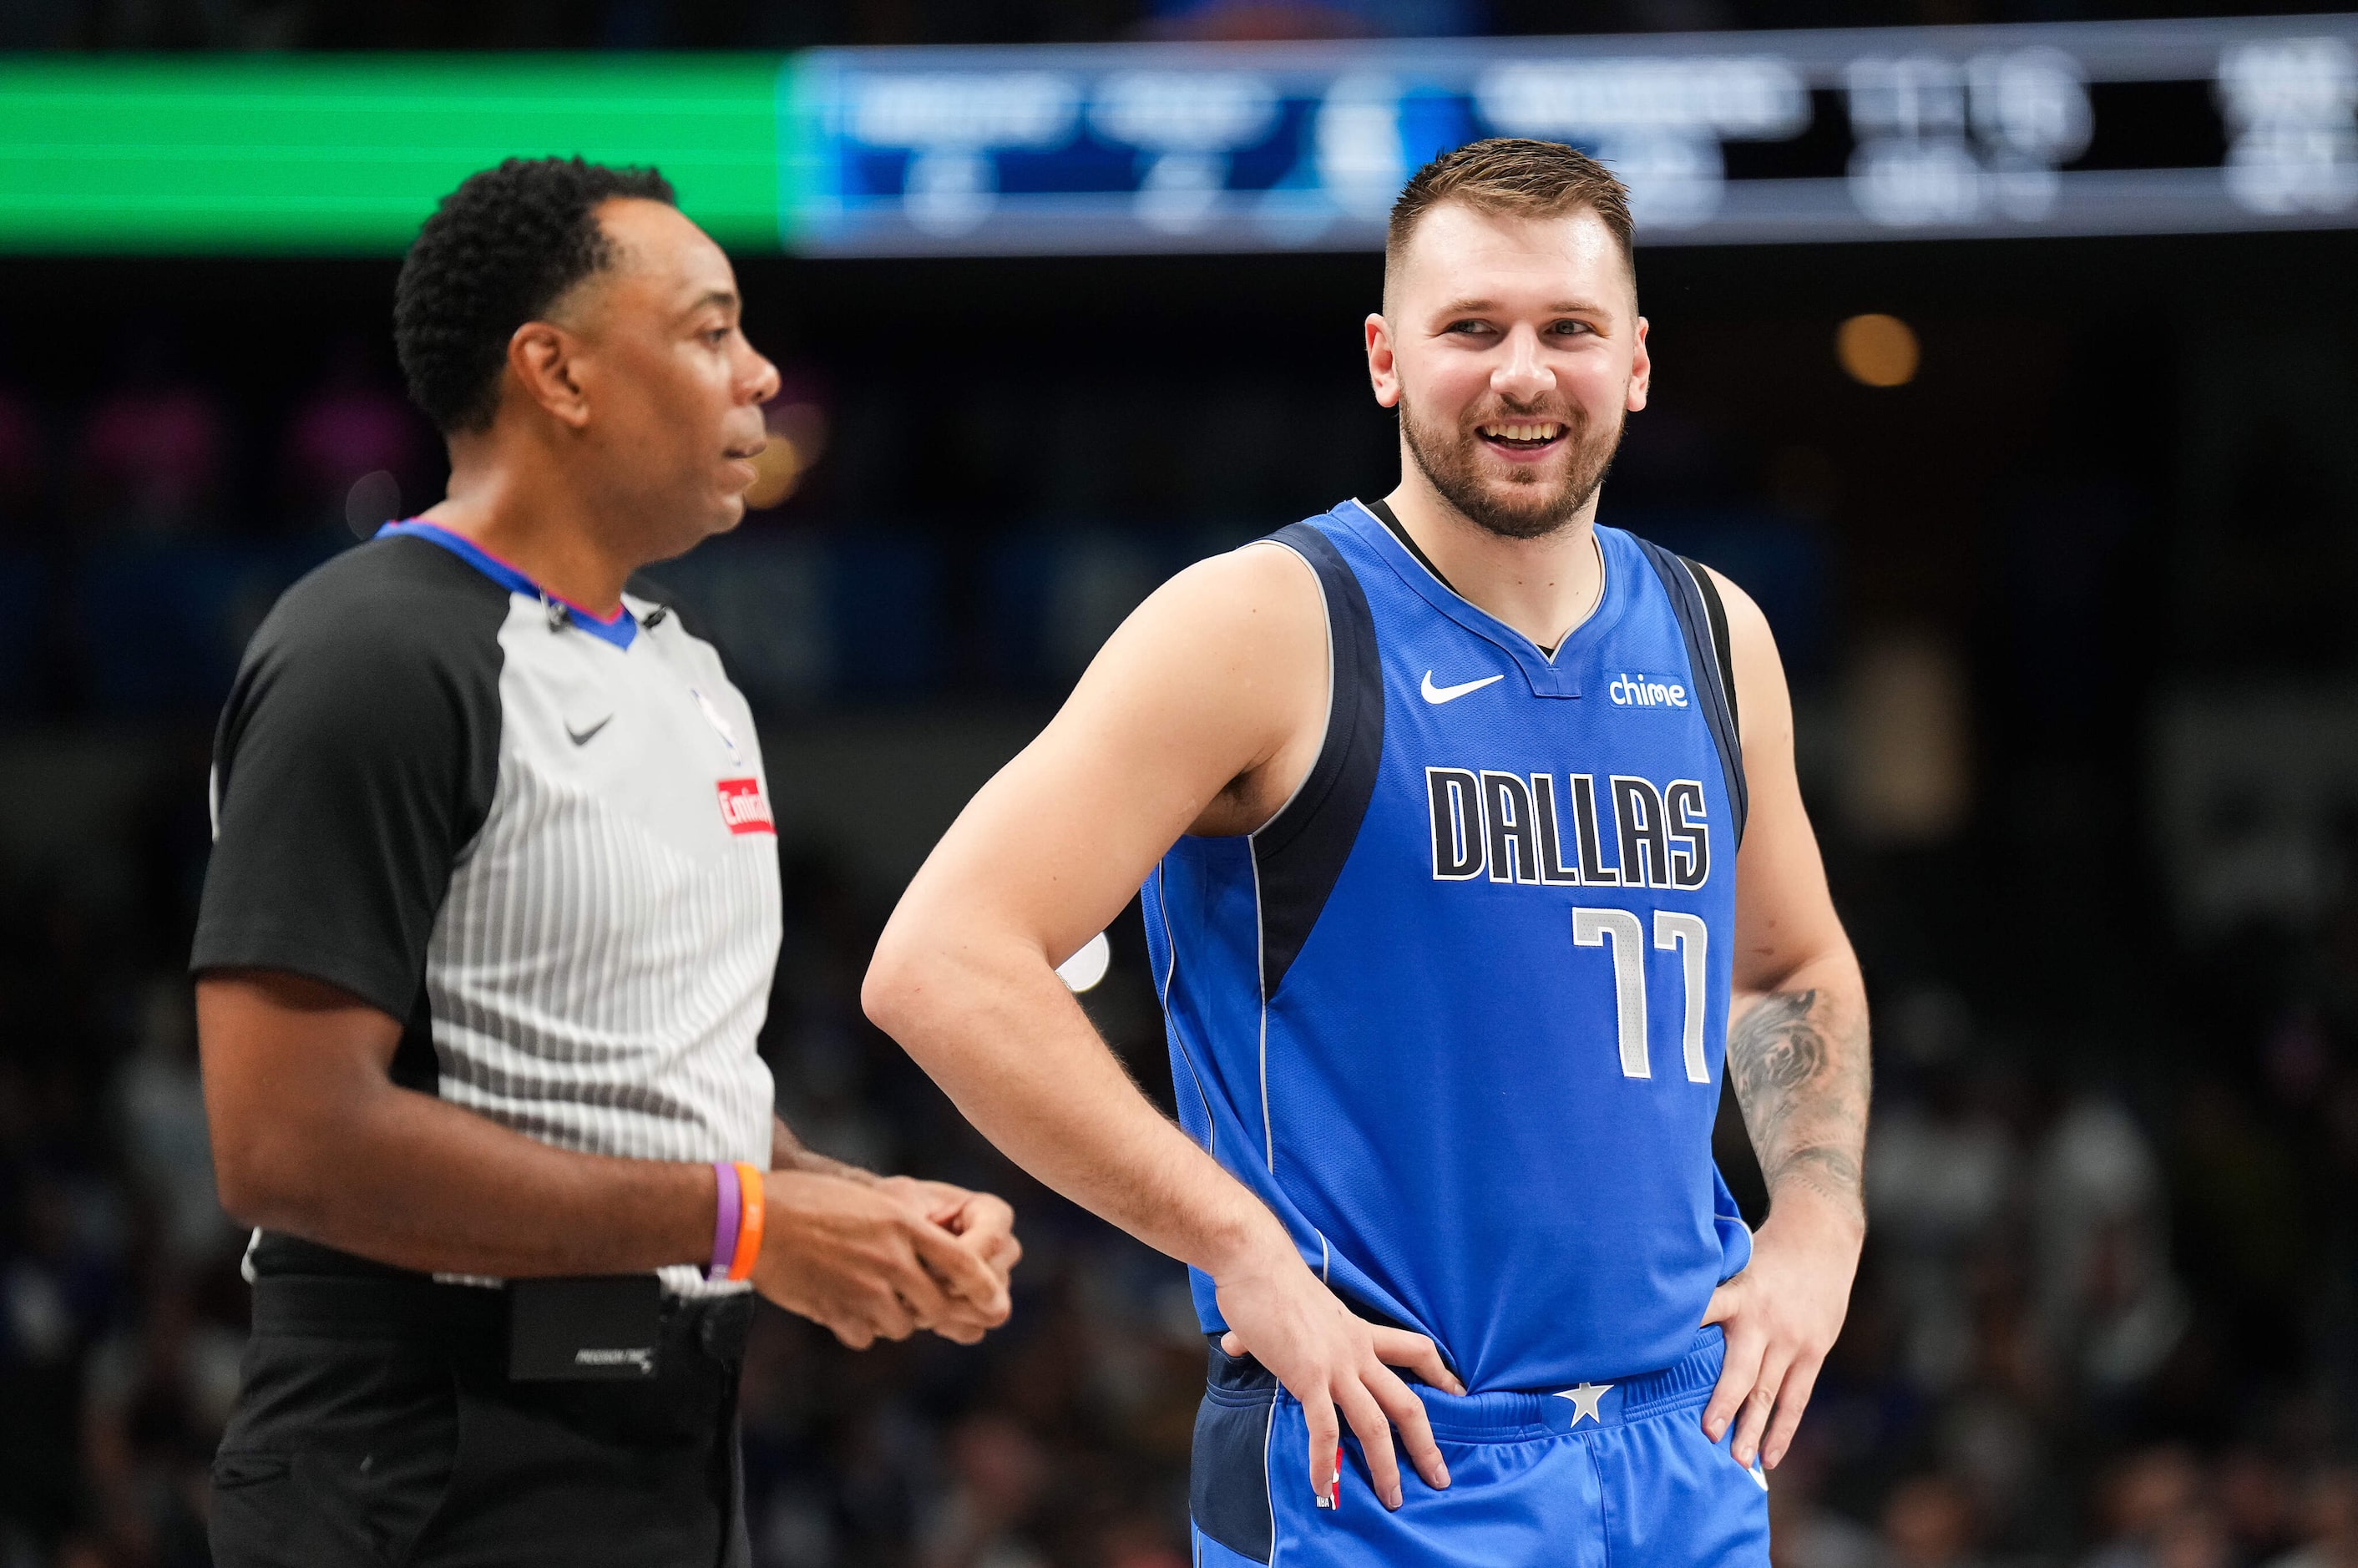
column 613, row 1327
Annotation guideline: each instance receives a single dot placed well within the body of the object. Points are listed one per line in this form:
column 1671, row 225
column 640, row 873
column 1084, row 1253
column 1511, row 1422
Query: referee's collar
column 619, row 628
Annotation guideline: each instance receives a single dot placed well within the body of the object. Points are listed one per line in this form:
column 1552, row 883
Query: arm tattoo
column 1803, row 1093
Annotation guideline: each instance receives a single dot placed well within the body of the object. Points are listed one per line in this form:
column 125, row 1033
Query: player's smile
column 1523, row 440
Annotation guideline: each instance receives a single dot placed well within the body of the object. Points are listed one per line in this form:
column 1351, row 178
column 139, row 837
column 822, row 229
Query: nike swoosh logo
column 583, row 737
column 1441, row 694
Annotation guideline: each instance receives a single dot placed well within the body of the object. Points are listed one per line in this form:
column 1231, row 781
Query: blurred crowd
column 147, row 525
column 2102, row 1324
column 154, row 454
column 2102, row 1320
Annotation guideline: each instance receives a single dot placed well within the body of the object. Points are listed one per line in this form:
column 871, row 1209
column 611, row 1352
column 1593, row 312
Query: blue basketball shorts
column 1617, row 1476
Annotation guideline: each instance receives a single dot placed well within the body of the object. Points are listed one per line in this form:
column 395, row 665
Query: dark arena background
column 2007, row 350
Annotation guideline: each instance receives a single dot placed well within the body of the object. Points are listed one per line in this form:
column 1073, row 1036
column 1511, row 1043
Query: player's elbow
column 898, row 974
column 921, row 981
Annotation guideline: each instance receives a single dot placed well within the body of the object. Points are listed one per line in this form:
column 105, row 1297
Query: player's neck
column 1542, row 588
column 535, row 522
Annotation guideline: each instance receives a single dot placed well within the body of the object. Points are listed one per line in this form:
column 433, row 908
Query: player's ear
column 540, row 360
column 1383, row 374
column 1641, row 370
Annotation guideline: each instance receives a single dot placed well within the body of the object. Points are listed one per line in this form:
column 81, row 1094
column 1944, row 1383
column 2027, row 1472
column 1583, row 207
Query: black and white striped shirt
column 540, row 839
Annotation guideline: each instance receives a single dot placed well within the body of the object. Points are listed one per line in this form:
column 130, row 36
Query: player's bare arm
column 312, row 1137
column 1796, row 1054
column 1200, row 715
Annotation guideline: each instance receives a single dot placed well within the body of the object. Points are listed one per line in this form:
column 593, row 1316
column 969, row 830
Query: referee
column 487, row 936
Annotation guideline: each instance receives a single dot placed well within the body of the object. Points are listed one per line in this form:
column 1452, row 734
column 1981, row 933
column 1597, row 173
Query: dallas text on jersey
column 1508, row 825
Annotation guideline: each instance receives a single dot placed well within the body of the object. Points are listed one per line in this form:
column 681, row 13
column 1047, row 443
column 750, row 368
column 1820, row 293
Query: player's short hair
column 1513, row 176
column 498, row 252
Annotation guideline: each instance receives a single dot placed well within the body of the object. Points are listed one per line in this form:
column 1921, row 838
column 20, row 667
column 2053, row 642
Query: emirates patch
column 742, row 809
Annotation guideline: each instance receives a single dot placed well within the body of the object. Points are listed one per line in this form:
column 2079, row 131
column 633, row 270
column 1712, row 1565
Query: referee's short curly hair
column 498, row 252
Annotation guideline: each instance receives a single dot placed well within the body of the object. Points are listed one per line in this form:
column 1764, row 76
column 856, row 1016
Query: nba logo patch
column 742, row 809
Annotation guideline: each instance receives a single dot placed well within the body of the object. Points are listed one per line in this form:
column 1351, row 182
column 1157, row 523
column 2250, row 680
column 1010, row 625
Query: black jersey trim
column 1227, row 1474
column 1707, row 659
column 1298, row 854
column 1381, row 511
column 1719, row 641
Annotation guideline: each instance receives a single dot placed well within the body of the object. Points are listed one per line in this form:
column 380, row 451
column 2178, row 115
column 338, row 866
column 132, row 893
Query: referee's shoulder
column 386, row 600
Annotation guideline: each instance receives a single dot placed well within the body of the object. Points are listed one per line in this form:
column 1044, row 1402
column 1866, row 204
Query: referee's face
column 673, row 391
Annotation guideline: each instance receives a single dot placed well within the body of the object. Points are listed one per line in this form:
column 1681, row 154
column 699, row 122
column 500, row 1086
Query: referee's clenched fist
column 884, row 1261
column 487, row 937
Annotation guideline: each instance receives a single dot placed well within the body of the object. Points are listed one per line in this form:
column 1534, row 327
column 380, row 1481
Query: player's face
column 1513, row 349
column 675, row 391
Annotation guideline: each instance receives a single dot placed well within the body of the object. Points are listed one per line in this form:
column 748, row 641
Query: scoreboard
column 2097, row 128
column 1724, row 138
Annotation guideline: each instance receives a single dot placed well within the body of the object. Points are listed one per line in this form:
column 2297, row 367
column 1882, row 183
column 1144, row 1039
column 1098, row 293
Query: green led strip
column 318, row 156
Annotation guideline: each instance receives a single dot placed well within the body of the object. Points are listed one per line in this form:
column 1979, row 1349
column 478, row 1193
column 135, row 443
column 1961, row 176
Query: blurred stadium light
column 2047, row 128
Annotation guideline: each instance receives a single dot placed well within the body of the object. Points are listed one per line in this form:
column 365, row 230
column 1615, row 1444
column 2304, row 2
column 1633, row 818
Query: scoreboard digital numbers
column 1724, row 138
column 1727, row 139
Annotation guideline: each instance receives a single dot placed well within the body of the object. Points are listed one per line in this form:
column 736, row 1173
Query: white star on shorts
column 1584, row 1401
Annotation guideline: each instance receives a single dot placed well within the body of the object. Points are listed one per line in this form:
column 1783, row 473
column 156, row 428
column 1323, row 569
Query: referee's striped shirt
column 541, row 840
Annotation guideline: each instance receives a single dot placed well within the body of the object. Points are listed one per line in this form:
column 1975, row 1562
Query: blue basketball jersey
column 1458, row 1013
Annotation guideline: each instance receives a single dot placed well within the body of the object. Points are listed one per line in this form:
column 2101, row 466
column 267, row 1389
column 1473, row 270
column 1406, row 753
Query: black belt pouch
column 600, row 1328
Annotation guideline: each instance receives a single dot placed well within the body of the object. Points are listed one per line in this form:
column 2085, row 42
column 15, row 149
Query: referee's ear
column 540, row 368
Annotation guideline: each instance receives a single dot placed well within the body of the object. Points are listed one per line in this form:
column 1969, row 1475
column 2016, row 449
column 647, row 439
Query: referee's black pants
column 376, row 1425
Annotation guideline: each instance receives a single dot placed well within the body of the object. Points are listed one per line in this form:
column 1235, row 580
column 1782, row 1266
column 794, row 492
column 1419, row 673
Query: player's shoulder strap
column 1299, row 853
column 1703, row 617
column 1717, row 614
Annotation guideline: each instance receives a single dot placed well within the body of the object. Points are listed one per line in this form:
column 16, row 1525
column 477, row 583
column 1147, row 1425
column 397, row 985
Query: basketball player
column 1472, row 852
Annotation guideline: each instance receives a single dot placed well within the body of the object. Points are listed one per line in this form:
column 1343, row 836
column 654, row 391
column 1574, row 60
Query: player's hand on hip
column 1780, row 1317
column 1340, row 1367
column 869, row 1264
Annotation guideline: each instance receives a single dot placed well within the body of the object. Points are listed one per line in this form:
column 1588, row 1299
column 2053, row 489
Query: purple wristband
column 724, row 1223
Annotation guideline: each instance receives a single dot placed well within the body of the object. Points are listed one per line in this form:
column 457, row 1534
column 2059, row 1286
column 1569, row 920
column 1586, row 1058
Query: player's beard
column 1542, row 498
